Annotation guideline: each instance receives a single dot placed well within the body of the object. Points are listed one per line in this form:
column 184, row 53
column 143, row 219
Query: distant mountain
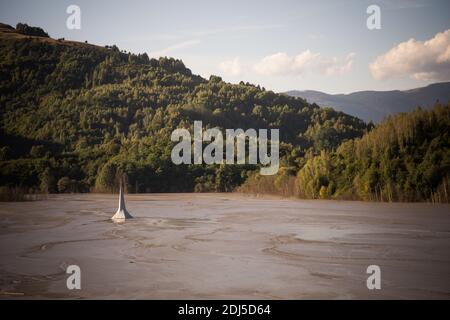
column 376, row 105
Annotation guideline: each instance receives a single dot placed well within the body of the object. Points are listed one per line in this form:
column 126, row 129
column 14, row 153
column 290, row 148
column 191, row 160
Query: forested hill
column 74, row 114
column 404, row 158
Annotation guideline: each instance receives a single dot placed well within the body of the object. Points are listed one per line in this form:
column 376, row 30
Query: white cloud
column 277, row 63
column 175, row 47
column 231, row 67
column 428, row 60
column 282, row 64
column 334, row 66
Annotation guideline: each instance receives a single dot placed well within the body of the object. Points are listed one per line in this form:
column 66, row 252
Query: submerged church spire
column 121, row 213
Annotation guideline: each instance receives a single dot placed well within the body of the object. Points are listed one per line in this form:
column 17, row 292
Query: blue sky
column 281, row 45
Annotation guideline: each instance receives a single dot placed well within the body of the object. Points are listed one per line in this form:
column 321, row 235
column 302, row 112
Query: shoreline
column 261, row 196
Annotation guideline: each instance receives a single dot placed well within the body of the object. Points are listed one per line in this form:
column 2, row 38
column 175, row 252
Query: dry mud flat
column 223, row 246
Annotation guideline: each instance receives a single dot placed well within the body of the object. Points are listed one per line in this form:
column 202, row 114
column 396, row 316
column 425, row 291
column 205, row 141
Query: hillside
column 404, row 158
column 376, row 105
column 74, row 115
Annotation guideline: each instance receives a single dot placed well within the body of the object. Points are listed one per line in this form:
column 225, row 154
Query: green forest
column 404, row 158
column 75, row 116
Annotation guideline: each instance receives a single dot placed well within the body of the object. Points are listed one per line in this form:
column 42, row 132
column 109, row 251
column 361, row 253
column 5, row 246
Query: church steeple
column 121, row 214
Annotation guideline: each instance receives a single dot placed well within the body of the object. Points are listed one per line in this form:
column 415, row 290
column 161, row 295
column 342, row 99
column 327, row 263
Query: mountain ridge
column 373, row 105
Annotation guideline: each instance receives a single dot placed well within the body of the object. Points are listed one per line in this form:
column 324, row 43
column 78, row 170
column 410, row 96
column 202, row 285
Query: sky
column 280, row 45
